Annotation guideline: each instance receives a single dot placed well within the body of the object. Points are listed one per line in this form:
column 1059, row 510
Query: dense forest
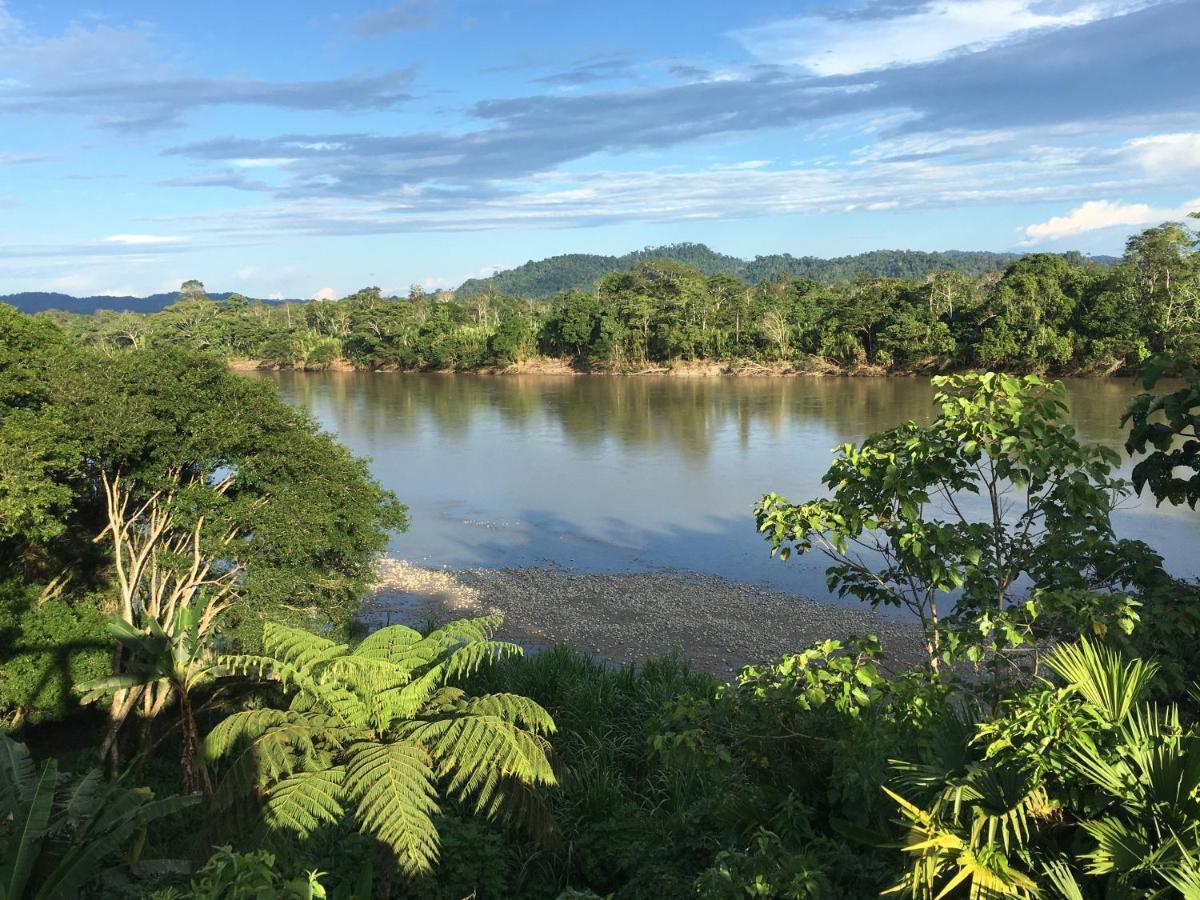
column 190, row 706
column 1041, row 312
column 543, row 279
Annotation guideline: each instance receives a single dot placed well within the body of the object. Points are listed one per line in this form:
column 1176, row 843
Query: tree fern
column 380, row 734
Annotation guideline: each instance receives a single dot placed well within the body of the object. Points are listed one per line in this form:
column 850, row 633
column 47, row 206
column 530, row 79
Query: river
column 604, row 474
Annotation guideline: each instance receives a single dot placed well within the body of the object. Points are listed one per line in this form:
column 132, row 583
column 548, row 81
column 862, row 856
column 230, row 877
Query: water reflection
column 612, row 473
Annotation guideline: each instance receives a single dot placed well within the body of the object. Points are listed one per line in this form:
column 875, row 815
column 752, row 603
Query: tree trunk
column 195, row 773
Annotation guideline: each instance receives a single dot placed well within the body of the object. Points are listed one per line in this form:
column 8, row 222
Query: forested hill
column 549, row 277
column 40, row 301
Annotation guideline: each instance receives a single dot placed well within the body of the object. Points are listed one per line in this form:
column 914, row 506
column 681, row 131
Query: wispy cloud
column 614, row 68
column 119, row 79
column 142, row 240
column 987, row 105
column 1167, row 154
column 883, row 36
column 146, row 103
column 410, row 15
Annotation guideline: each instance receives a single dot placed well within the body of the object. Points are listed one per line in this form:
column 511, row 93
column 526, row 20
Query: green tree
column 1165, row 262
column 955, row 514
column 1166, row 428
column 192, row 290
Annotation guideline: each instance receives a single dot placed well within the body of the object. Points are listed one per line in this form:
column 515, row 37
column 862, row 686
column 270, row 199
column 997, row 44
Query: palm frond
column 1110, row 684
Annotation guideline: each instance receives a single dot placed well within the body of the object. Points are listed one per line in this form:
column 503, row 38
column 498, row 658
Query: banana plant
column 57, row 833
column 166, row 663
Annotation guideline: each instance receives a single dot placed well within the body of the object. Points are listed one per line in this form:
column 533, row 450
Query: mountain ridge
column 538, row 279
column 547, row 277
column 42, row 301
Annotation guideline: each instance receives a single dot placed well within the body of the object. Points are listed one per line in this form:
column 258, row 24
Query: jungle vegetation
column 190, row 708
column 1038, row 313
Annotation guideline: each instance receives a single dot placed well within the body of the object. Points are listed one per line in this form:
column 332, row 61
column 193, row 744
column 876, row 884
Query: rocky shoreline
column 716, row 624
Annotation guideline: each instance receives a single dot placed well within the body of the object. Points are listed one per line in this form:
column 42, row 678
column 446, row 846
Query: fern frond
column 266, row 668
column 386, row 642
column 463, row 631
column 513, row 708
column 405, row 702
column 270, row 745
column 396, row 795
column 297, row 647
column 301, row 803
column 467, row 659
column 474, row 751
column 364, row 675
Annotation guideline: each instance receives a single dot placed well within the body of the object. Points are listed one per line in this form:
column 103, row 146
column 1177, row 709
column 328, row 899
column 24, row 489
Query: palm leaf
column 1109, row 684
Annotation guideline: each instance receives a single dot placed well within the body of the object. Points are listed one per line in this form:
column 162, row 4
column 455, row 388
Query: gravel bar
column 717, row 624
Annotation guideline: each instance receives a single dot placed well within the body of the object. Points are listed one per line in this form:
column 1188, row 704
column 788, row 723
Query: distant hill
column 538, row 279
column 40, row 301
column 547, row 277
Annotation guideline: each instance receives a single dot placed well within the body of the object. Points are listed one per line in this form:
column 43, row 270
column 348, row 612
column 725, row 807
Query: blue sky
column 306, row 148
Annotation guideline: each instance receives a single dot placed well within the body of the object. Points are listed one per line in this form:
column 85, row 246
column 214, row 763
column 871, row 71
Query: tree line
column 1042, row 312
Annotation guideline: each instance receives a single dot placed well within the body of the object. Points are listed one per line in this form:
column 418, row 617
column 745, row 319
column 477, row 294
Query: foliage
column 378, row 734
column 48, row 643
column 580, row 271
column 59, row 833
column 168, row 443
column 177, row 662
column 1166, row 428
column 897, row 311
column 957, row 513
column 1080, row 786
column 245, row 876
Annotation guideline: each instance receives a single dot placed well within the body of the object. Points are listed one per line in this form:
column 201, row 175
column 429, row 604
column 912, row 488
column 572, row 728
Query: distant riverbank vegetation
column 1037, row 313
column 191, row 707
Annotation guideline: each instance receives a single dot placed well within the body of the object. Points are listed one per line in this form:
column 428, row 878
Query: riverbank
column 550, row 365
column 716, row 624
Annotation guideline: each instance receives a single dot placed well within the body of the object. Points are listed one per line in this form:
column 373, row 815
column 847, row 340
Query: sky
column 307, row 149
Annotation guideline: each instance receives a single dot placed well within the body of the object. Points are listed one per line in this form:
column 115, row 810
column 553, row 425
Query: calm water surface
column 616, row 473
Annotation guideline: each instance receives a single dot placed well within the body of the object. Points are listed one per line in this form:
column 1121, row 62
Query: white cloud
column 850, row 44
column 1167, row 155
column 326, row 293
column 1096, row 215
column 141, row 240
column 265, row 162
